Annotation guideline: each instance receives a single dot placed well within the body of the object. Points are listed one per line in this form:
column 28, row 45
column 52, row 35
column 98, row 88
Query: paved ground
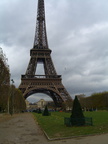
column 22, row 129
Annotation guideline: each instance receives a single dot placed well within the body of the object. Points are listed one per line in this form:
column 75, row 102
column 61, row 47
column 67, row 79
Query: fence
column 87, row 121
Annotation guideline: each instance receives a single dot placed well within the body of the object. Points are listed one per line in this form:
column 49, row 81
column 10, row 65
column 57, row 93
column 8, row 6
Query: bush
column 46, row 112
column 77, row 117
column 39, row 111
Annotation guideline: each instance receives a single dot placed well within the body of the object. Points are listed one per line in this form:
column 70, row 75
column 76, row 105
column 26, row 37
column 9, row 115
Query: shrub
column 46, row 112
column 77, row 117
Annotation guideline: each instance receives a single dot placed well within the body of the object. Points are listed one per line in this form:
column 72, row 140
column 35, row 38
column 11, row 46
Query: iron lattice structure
column 50, row 83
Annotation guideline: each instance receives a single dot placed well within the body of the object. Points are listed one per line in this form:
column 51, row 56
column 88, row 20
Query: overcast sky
column 77, row 33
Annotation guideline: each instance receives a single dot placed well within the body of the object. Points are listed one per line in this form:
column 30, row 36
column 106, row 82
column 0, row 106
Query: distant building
column 41, row 103
column 27, row 104
column 33, row 106
column 30, row 106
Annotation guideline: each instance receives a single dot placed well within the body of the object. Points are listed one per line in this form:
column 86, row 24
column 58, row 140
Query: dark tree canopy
column 11, row 99
column 4, row 81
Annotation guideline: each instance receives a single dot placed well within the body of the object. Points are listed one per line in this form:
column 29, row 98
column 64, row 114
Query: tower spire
column 50, row 83
column 40, row 40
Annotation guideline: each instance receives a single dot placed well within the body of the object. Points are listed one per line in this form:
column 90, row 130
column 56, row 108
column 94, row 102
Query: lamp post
column 8, row 101
column 12, row 96
column 9, row 95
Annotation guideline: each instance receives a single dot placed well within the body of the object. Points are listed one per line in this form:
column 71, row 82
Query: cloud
column 77, row 35
column 86, row 67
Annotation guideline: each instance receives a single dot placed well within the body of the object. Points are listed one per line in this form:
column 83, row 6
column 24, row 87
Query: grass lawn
column 54, row 125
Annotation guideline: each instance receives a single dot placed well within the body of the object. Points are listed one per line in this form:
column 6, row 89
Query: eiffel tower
column 50, row 83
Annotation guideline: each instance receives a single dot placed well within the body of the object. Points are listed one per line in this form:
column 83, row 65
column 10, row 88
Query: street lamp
column 12, row 96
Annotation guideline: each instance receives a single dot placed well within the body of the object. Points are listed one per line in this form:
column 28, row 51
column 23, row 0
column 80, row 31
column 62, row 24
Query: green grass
column 54, row 125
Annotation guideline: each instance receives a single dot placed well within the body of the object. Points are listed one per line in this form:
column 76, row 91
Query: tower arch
column 53, row 94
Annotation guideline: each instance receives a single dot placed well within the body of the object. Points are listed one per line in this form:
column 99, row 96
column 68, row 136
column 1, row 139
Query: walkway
column 22, row 129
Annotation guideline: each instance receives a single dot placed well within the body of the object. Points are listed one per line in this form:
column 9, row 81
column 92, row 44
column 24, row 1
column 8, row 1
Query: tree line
column 11, row 98
column 97, row 101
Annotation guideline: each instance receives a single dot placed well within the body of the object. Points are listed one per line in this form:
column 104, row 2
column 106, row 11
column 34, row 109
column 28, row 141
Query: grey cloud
column 77, row 35
column 16, row 27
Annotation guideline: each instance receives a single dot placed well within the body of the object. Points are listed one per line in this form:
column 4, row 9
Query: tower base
column 50, row 85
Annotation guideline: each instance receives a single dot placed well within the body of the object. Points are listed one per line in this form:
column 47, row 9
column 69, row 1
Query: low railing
column 40, row 76
column 86, row 121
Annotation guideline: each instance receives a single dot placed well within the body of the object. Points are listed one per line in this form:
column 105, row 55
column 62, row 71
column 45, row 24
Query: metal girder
column 49, row 83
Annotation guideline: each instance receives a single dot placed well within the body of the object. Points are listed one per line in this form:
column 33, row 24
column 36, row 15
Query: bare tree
column 4, row 81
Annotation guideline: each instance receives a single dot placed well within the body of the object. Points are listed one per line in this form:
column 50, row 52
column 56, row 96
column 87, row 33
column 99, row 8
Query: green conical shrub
column 39, row 111
column 77, row 117
column 46, row 112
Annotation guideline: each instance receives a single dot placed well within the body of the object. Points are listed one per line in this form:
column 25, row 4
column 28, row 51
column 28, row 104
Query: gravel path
column 22, row 129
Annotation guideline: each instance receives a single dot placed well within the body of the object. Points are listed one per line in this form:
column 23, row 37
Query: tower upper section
column 40, row 40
